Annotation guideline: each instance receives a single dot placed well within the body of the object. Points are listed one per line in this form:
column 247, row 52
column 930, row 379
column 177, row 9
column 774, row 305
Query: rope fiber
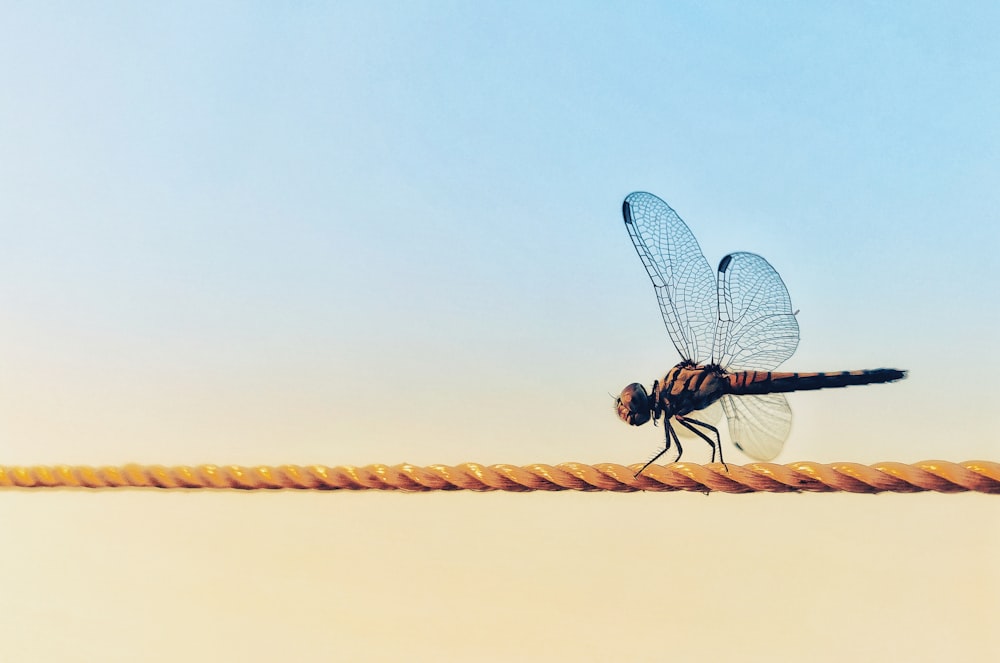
column 931, row 475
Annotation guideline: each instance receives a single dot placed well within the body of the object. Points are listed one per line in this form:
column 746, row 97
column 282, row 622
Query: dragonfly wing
column 757, row 329
column 682, row 278
column 758, row 423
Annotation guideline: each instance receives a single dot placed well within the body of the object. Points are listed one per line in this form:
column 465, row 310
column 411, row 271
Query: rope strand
column 936, row 475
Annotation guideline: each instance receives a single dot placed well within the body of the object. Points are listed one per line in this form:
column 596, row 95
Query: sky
column 351, row 233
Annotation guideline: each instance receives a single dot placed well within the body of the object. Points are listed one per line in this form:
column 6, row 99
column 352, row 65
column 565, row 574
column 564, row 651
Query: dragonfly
column 732, row 328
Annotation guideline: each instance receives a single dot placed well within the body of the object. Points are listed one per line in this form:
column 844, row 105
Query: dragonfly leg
column 677, row 440
column 669, row 431
column 686, row 422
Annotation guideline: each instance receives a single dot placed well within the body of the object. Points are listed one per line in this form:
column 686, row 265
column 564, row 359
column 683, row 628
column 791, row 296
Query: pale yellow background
column 182, row 576
column 351, row 233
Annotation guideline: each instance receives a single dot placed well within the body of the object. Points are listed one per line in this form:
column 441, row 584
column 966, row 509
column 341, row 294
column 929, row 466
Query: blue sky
column 379, row 232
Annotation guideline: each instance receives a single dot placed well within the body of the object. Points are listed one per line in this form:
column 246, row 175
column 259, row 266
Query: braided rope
column 936, row 475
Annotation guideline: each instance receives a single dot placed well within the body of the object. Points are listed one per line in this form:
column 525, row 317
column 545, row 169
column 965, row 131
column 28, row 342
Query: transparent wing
column 682, row 278
column 757, row 329
column 758, row 424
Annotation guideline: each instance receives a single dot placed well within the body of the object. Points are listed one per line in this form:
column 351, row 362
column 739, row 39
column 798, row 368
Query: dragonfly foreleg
column 669, row 431
column 656, row 406
column 686, row 422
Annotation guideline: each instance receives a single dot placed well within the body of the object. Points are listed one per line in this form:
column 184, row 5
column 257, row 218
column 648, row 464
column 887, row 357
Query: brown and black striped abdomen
column 767, row 382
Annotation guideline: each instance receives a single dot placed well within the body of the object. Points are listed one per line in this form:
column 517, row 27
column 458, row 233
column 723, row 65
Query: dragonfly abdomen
column 767, row 382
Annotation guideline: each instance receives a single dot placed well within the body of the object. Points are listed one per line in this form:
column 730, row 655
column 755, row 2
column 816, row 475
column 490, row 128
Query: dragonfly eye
column 633, row 405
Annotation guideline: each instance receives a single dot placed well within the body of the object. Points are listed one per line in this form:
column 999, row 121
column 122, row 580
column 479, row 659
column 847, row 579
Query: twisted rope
column 936, row 475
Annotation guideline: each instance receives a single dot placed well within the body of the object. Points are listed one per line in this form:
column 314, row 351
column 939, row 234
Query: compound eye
column 633, row 405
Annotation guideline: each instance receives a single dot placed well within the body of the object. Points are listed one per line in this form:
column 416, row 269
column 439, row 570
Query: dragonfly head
column 633, row 405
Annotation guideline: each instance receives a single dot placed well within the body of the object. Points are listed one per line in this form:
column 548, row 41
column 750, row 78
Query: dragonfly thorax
column 684, row 389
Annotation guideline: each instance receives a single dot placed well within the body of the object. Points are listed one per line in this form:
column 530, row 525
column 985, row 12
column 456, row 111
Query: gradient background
column 358, row 233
